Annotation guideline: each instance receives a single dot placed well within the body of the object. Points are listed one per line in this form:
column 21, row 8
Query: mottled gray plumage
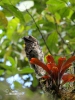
column 33, row 50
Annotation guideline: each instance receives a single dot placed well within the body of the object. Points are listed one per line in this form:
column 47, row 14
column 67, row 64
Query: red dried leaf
column 60, row 62
column 64, row 68
column 69, row 61
column 68, row 78
column 50, row 65
column 40, row 64
column 46, row 77
column 55, row 72
column 50, row 59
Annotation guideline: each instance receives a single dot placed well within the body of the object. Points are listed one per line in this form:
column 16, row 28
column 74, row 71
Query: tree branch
column 60, row 34
column 40, row 32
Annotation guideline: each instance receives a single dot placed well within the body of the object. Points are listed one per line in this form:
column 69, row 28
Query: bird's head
column 29, row 39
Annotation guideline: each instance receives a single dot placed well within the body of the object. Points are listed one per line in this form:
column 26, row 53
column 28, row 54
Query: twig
column 60, row 34
column 40, row 32
column 69, row 5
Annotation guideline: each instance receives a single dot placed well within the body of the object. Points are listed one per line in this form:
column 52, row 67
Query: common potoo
column 33, row 50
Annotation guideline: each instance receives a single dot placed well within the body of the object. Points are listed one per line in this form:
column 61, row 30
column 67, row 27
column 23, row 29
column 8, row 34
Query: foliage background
column 55, row 20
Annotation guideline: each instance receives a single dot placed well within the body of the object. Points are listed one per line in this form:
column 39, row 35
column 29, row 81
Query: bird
column 33, row 50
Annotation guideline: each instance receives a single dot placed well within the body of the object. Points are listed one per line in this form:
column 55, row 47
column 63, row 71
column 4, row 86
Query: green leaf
column 14, row 12
column 14, row 2
column 73, row 16
column 37, row 3
column 12, row 27
column 26, row 71
column 9, row 73
column 12, row 61
column 65, row 1
column 4, row 1
column 54, row 5
column 1, row 72
column 9, row 2
column 35, row 81
column 72, row 1
column 65, row 12
column 17, row 85
column 52, row 41
column 5, row 67
column 72, row 41
column 3, row 20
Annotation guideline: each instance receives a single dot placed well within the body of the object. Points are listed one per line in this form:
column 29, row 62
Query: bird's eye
column 30, row 51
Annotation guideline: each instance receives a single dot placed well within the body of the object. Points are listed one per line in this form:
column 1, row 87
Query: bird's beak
column 26, row 39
